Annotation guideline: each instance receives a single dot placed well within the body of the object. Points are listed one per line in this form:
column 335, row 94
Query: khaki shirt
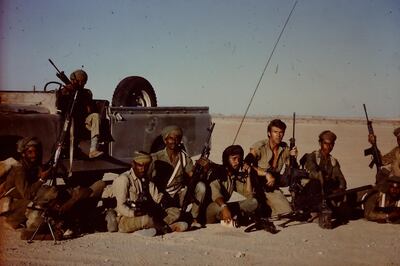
column 393, row 158
column 325, row 170
column 178, row 181
column 228, row 183
column 265, row 155
column 24, row 179
column 128, row 186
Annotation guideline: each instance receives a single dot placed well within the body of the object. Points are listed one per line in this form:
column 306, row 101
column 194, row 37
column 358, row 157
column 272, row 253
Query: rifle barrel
column 51, row 62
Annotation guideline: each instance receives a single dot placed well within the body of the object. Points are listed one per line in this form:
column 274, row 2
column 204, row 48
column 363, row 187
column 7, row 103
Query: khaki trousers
column 278, row 203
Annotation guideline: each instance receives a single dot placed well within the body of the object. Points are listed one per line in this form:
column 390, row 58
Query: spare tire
column 133, row 92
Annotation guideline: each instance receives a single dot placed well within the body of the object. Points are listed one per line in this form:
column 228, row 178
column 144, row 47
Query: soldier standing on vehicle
column 23, row 180
column 229, row 180
column 171, row 168
column 139, row 204
column 269, row 157
column 84, row 116
column 392, row 158
column 322, row 166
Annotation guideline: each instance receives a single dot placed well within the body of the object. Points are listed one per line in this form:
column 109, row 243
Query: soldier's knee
column 200, row 188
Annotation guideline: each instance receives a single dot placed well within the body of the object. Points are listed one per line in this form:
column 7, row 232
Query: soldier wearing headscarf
column 392, row 158
column 84, row 116
column 139, row 203
column 23, row 180
column 229, row 180
column 172, row 168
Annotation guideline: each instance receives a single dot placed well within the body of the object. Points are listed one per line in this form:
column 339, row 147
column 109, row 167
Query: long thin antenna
column 262, row 75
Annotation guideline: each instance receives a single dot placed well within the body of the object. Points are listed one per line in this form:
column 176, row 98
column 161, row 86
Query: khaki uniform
column 162, row 169
column 393, row 159
column 225, row 189
column 20, row 188
column 327, row 171
column 128, row 186
column 378, row 205
column 5, row 167
column 275, row 199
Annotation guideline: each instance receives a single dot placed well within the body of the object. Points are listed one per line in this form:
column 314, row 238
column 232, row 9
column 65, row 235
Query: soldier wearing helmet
column 84, row 115
column 23, row 180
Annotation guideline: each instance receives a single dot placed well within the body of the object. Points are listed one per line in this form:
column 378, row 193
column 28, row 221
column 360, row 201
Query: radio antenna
column 262, row 74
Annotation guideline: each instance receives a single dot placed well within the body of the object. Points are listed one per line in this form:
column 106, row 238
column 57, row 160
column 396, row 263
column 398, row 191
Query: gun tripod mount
column 46, row 219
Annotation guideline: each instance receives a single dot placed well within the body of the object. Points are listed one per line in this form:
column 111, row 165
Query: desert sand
column 357, row 243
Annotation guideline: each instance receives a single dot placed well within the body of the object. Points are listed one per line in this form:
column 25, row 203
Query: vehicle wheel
column 134, row 91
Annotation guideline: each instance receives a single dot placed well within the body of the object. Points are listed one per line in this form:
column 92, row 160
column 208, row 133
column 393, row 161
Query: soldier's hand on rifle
column 372, row 139
column 204, row 163
column 294, row 151
column 67, row 89
column 44, row 174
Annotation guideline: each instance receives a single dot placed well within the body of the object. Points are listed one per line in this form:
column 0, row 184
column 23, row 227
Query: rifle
column 348, row 191
column 60, row 74
column 261, row 220
column 293, row 180
column 197, row 172
column 54, row 160
column 373, row 150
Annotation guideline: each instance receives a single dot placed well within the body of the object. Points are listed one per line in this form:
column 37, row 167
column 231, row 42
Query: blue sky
column 333, row 57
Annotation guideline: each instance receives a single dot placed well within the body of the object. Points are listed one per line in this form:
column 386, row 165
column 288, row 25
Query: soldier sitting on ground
column 324, row 168
column 171, row 170
column 139, row 204
column 23, row 181
column 269, row 157
column 383, row 206
column 392, row 158
column 229, row 180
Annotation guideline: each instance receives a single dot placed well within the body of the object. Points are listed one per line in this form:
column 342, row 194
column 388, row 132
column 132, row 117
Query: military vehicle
column 133, row 121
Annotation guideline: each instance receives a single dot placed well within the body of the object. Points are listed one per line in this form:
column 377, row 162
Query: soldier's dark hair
column 276, row 123
column 232, row 150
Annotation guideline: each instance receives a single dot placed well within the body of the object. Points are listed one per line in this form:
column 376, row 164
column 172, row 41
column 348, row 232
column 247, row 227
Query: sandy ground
column 357, row 243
